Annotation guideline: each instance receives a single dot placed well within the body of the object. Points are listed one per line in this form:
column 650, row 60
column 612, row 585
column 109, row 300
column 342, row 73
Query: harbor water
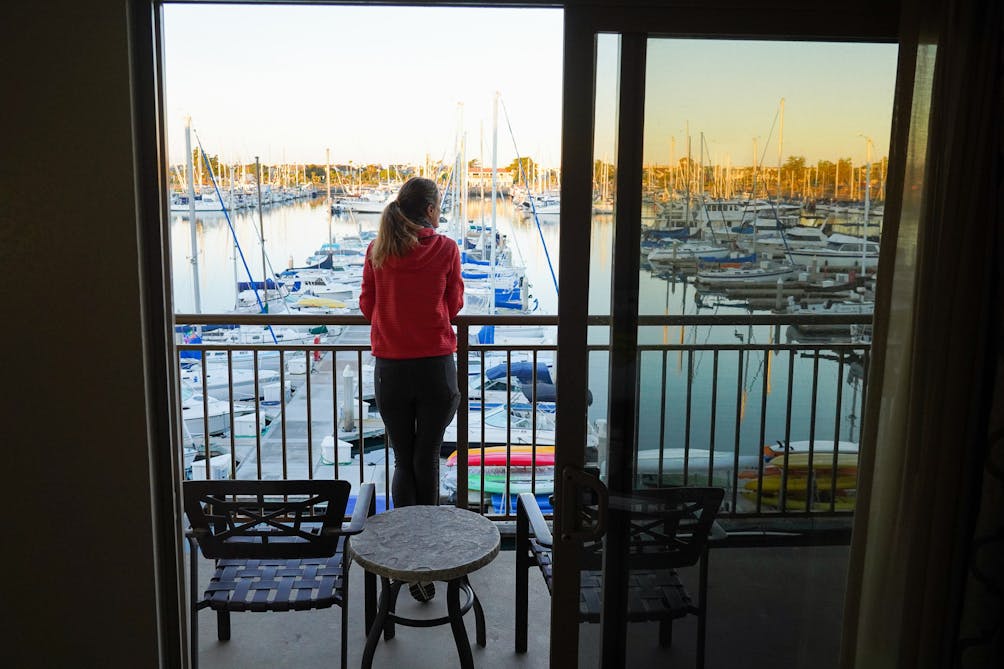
column 701, row 399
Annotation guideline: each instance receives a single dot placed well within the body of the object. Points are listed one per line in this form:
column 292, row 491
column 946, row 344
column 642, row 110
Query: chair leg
column 479, row 617
column 345, row 627
column 370, row 599
column 522, row 578
column 457, row 623
column 193, row 613
column 223, row 625
column 395, row 588
column 376, row 629
column 702, row 608
column 193, row 641
column 666, row 633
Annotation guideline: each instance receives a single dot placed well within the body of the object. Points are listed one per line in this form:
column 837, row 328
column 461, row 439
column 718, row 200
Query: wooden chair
column 670, row 528
column 278, row 546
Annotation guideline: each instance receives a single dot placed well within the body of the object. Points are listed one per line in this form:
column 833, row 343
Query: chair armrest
column 526, row 504
column 364, row 500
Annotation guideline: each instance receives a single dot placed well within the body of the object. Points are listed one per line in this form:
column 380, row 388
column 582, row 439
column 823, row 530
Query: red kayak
column 518, row 456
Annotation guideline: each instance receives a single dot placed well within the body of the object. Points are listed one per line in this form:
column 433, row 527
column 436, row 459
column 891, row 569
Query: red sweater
column 410, row 300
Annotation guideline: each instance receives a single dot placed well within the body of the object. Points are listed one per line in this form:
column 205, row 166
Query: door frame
column 852, row 20
column 858, row 20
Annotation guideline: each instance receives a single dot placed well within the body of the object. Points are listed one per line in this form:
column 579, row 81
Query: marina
column 323, row 247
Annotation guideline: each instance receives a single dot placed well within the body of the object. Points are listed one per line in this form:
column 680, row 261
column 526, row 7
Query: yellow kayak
column 320, row 302
column 793, row 504
column 800, row 483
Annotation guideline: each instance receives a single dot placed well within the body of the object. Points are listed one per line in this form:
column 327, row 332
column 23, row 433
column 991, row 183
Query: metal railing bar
column 810, row 483
column 836, row 434
column 801, row 348
column 508, row 433
column 230, row 388
column 740, row 389
column 782, row 495
column 663, row 417
column 463, row 412
column 644, row 320
column 310, row 419
column 764, row 391
column 282, row 412
column 690, row 405
column 481, row 498
column 257, row 413
column 205, row 417
column 533, row 405
column 714, row 415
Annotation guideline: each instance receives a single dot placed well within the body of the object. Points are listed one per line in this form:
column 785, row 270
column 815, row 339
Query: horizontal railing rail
column 308, row 386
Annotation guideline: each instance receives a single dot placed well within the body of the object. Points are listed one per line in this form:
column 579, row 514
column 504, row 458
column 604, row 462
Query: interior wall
column 79, row 577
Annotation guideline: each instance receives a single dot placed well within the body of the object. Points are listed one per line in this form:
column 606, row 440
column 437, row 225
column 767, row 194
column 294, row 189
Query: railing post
column 462, row 413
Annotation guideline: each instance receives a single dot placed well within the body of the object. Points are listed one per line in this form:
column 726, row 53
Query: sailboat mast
column 780, row 147
column 836, row 181
column 868, row 188
column 190, row 177
column 495, row 162
column 686, row 183
column 327, row 181
column 261, row 228
column 701, row 178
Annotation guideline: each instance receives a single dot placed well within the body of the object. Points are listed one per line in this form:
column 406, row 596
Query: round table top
column 425, row 543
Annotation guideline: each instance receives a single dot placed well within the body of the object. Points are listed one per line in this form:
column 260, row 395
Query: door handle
column 573, row 526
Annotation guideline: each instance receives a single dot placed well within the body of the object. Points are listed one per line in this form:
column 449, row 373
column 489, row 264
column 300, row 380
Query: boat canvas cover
column 523, row 371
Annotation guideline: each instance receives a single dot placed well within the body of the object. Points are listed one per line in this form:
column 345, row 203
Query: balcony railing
column 291, row 402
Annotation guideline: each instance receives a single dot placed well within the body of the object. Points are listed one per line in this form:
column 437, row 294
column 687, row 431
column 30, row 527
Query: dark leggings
column 417, row 399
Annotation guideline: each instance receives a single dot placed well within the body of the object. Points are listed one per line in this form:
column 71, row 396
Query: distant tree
column 794, row 165
column 523, row 168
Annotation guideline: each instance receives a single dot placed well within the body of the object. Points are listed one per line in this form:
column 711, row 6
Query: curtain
column 924, row 582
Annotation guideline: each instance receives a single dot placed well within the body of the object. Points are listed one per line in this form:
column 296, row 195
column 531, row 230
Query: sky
column 394, row 85
column 373, row 85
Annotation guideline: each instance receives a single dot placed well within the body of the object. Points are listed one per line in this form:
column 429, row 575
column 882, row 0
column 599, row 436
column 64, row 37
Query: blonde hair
column 398, row 233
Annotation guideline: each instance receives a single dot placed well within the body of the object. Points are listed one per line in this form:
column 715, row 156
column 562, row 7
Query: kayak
column 800, row 483
column 518, row 456
column 791, row 503
column 820, row 460
column 521, row 479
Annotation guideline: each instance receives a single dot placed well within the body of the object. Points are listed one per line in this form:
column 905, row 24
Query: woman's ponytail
column 398, row 232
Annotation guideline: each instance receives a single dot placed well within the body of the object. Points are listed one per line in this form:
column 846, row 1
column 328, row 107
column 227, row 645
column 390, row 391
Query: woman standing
column 411, row 290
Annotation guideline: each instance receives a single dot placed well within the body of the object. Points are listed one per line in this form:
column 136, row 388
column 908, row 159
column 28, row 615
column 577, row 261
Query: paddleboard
column 818, row 445
column 820, row 460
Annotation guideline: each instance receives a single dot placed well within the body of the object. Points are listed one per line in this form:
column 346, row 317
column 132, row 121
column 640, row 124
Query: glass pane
column 762, row 194
column 600, row 277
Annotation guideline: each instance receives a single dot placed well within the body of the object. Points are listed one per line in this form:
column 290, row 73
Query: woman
column 411, row 290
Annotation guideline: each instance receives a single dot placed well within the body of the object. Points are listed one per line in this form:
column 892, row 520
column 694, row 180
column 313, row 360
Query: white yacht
column 841, row 251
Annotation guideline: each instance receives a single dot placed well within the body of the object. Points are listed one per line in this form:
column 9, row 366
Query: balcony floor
column 768, row 607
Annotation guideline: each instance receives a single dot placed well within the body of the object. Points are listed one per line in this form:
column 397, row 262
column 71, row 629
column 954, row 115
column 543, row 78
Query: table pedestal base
column 386, row 618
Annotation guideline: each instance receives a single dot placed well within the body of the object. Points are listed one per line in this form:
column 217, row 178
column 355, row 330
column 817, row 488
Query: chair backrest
column 669, row 527
column 266, row 519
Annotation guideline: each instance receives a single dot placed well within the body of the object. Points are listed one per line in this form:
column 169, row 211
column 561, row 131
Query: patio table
column 423, row 544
